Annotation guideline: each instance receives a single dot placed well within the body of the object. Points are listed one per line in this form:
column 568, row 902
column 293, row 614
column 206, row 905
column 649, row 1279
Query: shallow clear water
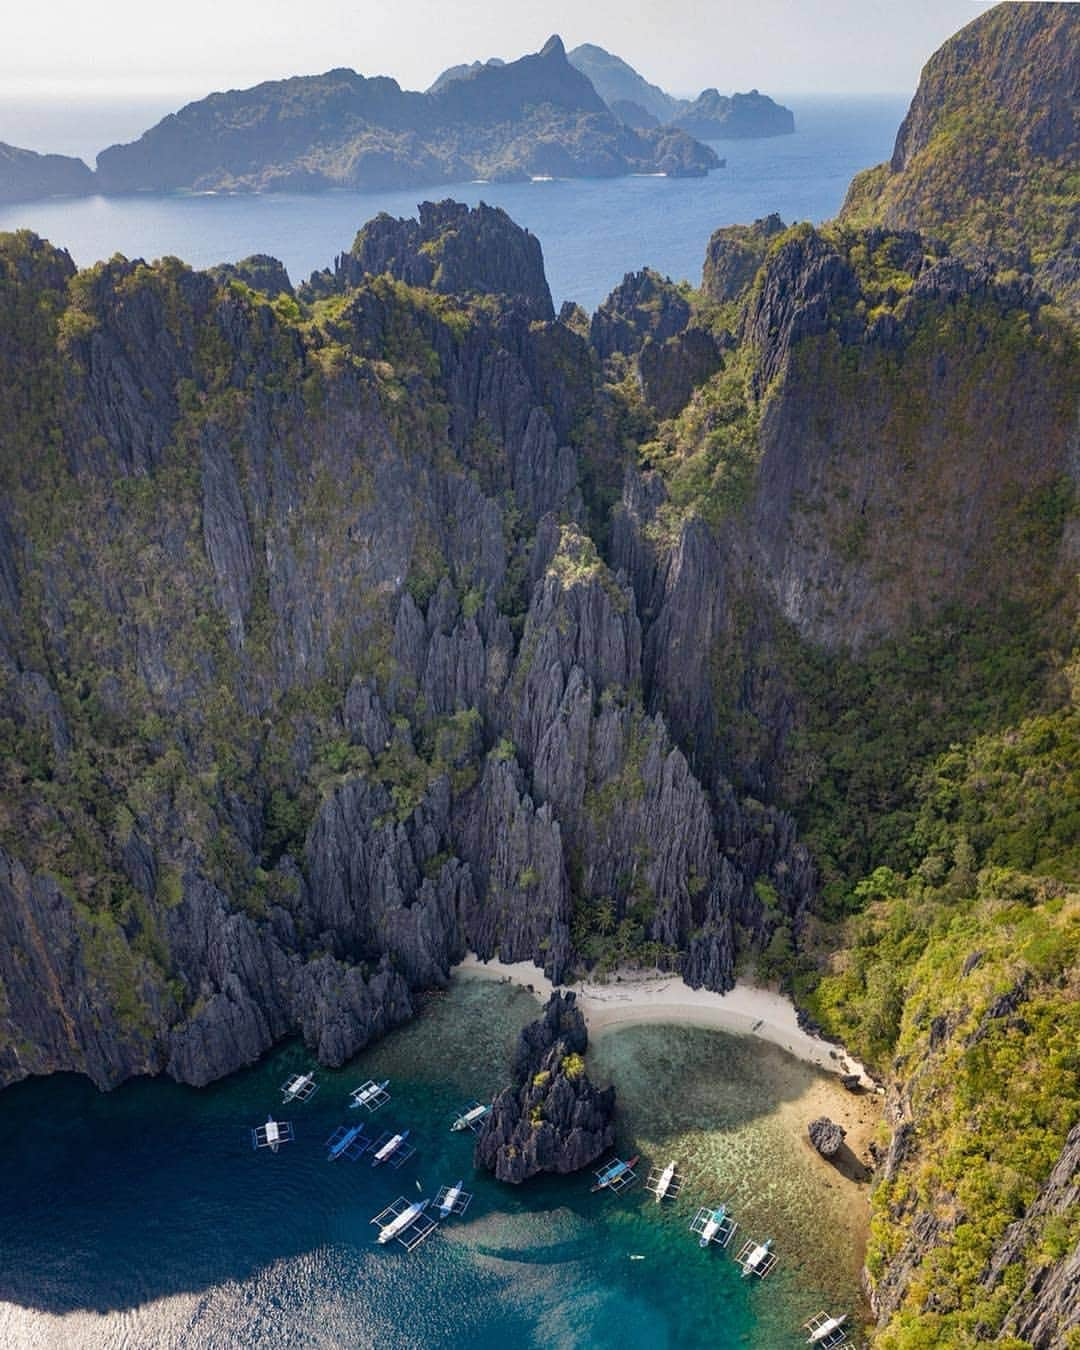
column 143, row 1218
column 592, row 230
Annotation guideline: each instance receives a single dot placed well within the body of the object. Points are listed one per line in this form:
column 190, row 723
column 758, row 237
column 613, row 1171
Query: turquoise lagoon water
column 592, row 230
column 142, row 1218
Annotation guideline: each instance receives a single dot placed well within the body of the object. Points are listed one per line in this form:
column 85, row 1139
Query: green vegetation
column 135, row 599
column 708, row 455
column 987, row 905
column 990, row 157
column 573, row 1066
column 871, row 722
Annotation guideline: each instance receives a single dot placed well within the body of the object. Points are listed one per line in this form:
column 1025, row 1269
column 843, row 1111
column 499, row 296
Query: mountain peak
column 554, row 47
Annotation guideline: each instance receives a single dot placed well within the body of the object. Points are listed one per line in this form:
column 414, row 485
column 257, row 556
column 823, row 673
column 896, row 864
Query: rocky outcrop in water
column 552, row 1119
column 26, row 175
column 713, row 116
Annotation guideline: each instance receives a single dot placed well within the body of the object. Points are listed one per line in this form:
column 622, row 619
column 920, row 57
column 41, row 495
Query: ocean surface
column 143, row 1218
column 592, row 231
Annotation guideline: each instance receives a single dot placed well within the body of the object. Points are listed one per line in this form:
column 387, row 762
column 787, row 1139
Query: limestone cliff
column 348, row 627
column 984, row 157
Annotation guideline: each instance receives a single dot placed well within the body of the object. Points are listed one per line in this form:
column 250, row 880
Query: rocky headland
column 25, row 175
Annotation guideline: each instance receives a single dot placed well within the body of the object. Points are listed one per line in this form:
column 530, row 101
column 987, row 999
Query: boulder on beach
column 826, row 1136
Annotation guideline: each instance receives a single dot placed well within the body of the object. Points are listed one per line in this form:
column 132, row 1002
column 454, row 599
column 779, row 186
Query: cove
column 142, row 1217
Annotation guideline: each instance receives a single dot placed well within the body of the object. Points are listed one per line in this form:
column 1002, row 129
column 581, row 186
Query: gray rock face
column 734, row 254
column 826, row 1136
column 455, row 250
column 670, row 371
column 553, row 1119
column 1047, row 1309
column 644, row 305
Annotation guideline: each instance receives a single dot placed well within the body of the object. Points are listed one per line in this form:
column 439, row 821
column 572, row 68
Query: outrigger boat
column 371, row 1095
column 299, row 1088
column 471, row 1117
column 392, row 1149
column 826, row 1332
column 713, row 1225
column 409, row 1223
column 757, row 1258
column 347, row 1141
column 452, row 1200
column 664, row 1184
column 616, row 1176
column 271, row 1135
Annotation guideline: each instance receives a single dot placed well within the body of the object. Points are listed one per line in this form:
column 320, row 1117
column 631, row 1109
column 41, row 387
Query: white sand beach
column 631, row 997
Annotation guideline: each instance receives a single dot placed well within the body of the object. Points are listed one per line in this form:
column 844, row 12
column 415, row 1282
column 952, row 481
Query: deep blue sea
column 592, row 231
column 143, row 1218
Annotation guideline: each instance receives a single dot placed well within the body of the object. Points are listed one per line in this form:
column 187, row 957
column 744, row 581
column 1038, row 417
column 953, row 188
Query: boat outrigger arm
column 713, row 1225
column 300, row 1087
column 757, row 1258
column 392, row 1149
column 452, row 1200
column 271, row 1135
column 347, row 1141
column 826, row 1332
column 370, row 1095
column 409, row 1223
column 664, row 1184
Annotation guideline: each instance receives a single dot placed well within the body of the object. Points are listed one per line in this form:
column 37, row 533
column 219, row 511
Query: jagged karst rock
column 1047, row 1308
column 1023, row 62
column 455, row 250
column 552, row 1119
column 260, row 271
column 670, row 371
column 826, row 1136
column 643, row 305
column 733, row 256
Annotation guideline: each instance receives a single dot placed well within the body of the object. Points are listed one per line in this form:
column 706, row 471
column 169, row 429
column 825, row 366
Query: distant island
column 24, row 175
column 584, row 115
column 711, row 116
column 531, row 118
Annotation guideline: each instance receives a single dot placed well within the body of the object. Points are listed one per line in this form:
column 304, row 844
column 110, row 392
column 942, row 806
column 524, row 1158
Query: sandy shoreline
column 634, row 997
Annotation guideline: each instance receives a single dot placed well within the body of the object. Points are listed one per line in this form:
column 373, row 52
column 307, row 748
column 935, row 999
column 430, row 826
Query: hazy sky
column 153, row 47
